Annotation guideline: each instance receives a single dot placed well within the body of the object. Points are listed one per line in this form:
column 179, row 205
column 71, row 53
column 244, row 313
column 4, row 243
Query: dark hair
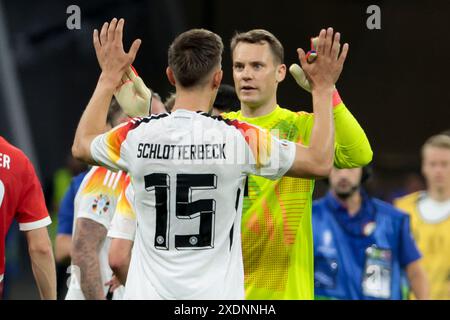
column 193, row 55
column 226, row 99
column 170, row 101
column 259, row 36
column 366, row 174
column 114, row 112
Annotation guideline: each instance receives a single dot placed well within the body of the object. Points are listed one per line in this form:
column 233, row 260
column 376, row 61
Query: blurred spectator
column 362, row 245
column 412, row 182
column 430, row 214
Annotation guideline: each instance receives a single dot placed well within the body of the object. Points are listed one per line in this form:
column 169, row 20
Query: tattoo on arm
column 87, row 242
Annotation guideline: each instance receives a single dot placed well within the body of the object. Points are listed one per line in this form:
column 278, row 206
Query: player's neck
column 193, row 100
column 258, row 111
column 439, row 194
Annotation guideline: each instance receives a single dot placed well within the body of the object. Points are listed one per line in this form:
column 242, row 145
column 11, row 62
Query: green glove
column 133, row 95
column 298, row 73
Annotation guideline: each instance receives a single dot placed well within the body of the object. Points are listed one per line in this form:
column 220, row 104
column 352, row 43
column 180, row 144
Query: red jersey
column 21, row 195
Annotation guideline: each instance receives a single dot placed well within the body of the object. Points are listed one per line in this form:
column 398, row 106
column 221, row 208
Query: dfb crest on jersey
column 101, row 204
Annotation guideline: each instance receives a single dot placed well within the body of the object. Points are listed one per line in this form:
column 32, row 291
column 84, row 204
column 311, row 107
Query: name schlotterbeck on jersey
column 181, row 152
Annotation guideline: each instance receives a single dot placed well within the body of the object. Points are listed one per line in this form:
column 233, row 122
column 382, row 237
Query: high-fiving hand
column 111, row 56
column 327, row 67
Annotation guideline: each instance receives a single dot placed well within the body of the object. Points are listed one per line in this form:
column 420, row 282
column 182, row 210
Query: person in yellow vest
column 430, row 214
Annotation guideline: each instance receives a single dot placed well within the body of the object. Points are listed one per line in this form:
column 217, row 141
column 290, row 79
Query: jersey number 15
column 204, row 209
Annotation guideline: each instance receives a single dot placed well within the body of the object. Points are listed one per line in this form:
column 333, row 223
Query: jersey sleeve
column 123, row 225
column 266, row 155
column 110, row 149
column 96, row 199
column 352, row 147
column 32, row 212
column 408, row 248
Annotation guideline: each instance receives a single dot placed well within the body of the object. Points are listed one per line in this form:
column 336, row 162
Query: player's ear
column 281, row 72
column 217, row 78
column 170, row 76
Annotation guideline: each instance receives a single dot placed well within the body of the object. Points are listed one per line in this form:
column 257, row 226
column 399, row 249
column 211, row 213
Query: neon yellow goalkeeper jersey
column 277, row 240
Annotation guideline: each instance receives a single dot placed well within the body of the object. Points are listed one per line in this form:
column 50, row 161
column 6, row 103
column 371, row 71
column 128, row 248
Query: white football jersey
column 100, row 195
column 123, row 224
column 188, row 172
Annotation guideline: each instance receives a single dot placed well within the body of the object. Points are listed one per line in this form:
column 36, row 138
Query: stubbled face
column 345, row 181
column 255, row 73
column 436, row 167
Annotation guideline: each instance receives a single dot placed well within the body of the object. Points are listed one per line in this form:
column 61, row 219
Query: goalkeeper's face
column 256, row 74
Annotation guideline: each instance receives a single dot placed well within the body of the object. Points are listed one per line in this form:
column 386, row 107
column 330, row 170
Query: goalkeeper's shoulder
column 231, row 115
column 288, row 113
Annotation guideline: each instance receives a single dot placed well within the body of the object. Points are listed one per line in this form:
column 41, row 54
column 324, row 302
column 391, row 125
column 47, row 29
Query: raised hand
column 113, row 60
column 133, row 96
column 324, row 72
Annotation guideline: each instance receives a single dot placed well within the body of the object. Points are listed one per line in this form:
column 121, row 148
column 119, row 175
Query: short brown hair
column 114, row 112
column 170, row 101
column 437, row 141
column 193, row 55
column 259, row 36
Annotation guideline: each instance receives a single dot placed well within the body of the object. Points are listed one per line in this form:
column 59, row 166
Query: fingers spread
column 96, row 40
column 321, row 42
column 103, row 34
column 119, row 31
column 343, row 55
column 336, row 46
column 134, row 49
column 112, row 29
column 328, row 41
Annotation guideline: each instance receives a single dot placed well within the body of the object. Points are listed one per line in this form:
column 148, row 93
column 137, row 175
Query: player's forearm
column 44, row 271
column 93, row 120
column 119, row 258
column 90, row 276
column 316, row 160
column 322, row 135
column 418, row 281
column 121, row 272
column 352, row 146
column 89, row 236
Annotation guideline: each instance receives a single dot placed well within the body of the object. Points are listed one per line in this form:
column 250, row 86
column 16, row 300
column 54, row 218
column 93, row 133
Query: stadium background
column 395, row 80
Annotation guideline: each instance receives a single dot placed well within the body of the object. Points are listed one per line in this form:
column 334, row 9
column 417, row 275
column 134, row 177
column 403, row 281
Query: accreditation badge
column 377, row 273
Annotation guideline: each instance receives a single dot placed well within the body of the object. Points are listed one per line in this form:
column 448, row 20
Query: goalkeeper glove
column 133, row 96
column 300, row 76
column 298, row 73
